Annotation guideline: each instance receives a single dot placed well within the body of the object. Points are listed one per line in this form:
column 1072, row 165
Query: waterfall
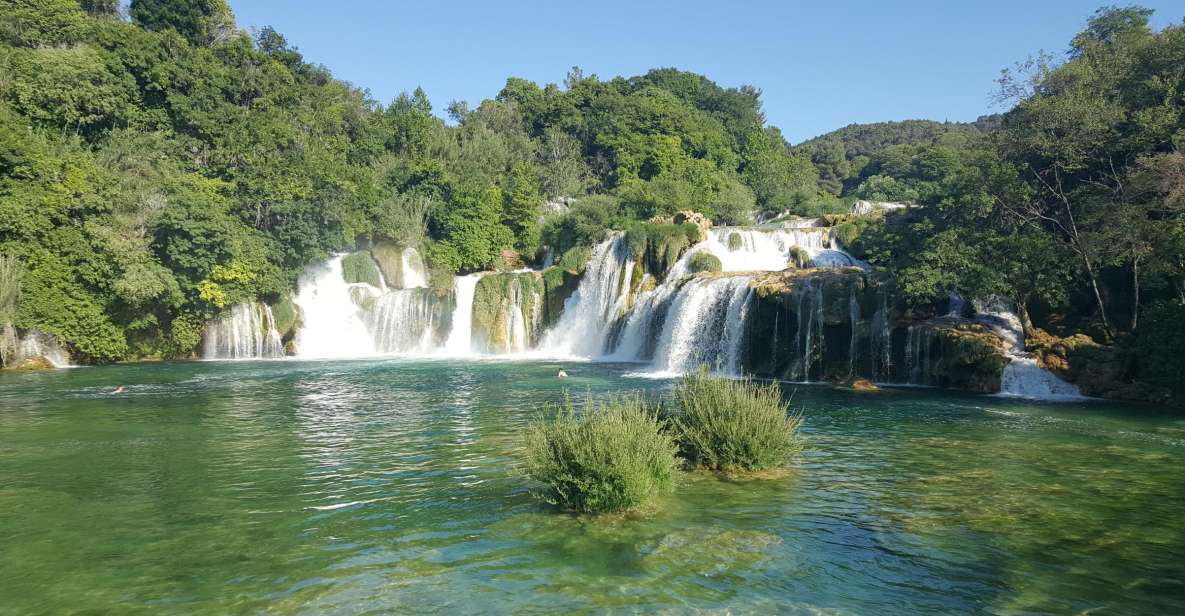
column 333, row 324
column 403, row 321
column 460, row 339
column 589, row 313
column 854, row 330
column 810, row 326
column 767, row 250
column 705, row 325
column 247, row 331
column 1022, row 377
column 39, row 344
column 414, row 274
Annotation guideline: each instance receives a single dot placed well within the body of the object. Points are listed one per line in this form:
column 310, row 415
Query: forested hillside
column 161, row 165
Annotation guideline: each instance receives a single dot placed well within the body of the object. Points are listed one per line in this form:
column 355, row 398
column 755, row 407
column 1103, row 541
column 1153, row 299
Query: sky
column 819, row 65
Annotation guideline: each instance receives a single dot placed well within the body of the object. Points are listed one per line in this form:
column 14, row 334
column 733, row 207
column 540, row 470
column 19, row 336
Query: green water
column 348, row 487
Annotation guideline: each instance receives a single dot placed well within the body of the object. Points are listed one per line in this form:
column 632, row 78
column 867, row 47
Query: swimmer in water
column 119, row 390
column 562, row 374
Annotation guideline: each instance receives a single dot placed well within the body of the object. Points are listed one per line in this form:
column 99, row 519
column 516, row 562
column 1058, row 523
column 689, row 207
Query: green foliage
column 735, row 241
column 11, row 271
column 704, row 262
column 611, row 457
column 733, row 425
column 585, row 223
column 359, row 267
column 284, row 313
column 1157, row 347
column 200, row 21
column 575, row 259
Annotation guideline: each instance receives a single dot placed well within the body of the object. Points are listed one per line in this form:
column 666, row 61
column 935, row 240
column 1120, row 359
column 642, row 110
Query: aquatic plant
column 735, row 241
column 612, row 456
column 733, row 425
column 360, row 267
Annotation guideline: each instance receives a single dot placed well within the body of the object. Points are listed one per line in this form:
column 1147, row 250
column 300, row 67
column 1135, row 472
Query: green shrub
column 735, row 241
column 733, row 425
column 799, row 258
column 575, row 259
column 359, row 267
column 612, row 457
column 705, row 262
column 284, row 314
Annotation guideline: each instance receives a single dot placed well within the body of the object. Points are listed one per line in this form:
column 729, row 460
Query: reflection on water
column 310, row 487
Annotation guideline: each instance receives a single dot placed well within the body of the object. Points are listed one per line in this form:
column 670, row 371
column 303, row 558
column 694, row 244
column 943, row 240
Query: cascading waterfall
column 247, row 331
column 415, row 275
column 460, row 339
column 768, row 250
column 1022, row 377
column 705, row 326
column 333, row 323
column 589, row 313
column 38, row 344
column 403, row 321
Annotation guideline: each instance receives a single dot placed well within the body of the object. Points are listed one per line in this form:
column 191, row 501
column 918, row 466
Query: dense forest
column 161, row 165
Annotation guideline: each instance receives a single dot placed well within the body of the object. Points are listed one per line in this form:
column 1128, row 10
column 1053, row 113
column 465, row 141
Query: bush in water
column 613, row 456
column 733, row 425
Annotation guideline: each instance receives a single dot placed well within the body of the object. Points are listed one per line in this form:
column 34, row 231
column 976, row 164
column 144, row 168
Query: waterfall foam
column 705, row 326
column 1022, row 377
column 246, row 331
column 415, row 275
column 332, row 323
column 598, row 301
column 403, row 321
column 460, row 338
column 767, row 249
column 39, row 344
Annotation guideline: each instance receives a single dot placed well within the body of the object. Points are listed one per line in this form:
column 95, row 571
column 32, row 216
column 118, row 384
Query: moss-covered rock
column 1099, row 371
column 286, row 315
column 500, row 300
column 735, row 241
column 388, row 257
column 704, row 262
column 359, row 267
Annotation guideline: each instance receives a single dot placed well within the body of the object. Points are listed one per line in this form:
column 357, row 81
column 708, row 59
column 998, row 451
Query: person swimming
column 119, row 390
column 562, row 374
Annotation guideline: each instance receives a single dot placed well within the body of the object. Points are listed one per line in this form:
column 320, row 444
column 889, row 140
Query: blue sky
column 820, row 65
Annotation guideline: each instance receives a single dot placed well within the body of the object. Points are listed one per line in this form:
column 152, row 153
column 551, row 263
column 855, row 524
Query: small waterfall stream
column 460, row 339
column 585, row 323
column 334, row 326
column 1022, row 377
column 246, row 331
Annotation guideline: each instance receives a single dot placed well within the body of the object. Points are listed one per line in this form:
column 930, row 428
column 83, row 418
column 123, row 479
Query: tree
column 201, row 22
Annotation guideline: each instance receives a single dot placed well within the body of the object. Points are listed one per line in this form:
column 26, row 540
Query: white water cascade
column 403, row 321
column 333, row 324
column 769, row 249
column 247, row 331
column 599, row 300
column 37, row 344
column 460, row 339
column 1022, row 377
column 705, row 326
column 415, row 275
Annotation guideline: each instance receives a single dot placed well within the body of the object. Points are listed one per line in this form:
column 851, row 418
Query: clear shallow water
column 346, row 487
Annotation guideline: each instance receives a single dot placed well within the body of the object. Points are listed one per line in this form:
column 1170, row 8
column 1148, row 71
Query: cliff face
column 511, row 310
column 840, row 324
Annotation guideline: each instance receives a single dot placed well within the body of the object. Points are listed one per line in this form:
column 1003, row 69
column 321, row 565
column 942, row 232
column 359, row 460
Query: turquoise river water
column 392, row 486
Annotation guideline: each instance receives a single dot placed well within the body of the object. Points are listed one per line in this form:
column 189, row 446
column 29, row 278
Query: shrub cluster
column 733, row 425
column 612, row 457
column 618, row 455
column 705, row 262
